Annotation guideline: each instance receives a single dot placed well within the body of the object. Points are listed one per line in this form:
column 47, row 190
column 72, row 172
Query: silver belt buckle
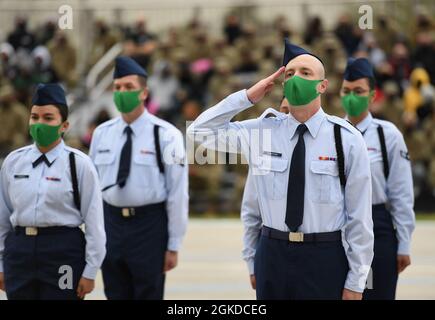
column 31, row 231
column 125, row 212
column 296, row 237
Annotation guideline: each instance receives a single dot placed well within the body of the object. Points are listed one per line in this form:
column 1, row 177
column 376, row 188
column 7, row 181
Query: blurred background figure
column 163, row 86
column 13, row 121
column 64, row 58
column 20, row 37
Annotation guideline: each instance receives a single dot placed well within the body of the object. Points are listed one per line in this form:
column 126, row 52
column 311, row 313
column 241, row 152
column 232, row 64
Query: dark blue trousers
column 384, row 266
column 136, row 246
column 299, row 271
column 32, row 264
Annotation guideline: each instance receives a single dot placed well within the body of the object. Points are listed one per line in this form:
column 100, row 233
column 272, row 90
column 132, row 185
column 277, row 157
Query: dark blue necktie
column 296, row 183
column 41, row 159
column 125, row 161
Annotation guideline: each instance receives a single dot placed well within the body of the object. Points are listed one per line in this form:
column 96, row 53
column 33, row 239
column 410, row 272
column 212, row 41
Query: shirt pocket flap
column 145, row 159
column 104, row 158
column 324, row 167
column 273, row 164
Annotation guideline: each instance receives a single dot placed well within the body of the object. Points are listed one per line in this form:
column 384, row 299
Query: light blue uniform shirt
column 327, row 206
column 397, row 191
column 145, row 184
column 43, row 197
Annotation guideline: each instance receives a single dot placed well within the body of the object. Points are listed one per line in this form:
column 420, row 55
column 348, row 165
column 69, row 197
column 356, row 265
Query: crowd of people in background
column 191, row 70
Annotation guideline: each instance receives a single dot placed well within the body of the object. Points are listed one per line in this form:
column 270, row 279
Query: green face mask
column 126, row 101
column 44, row 134
column 300, row 91
column 354, row 104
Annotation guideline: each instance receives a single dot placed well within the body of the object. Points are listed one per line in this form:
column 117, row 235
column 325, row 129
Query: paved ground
column 211, row 266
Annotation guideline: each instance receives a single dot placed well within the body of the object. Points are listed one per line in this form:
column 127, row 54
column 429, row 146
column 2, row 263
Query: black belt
column 301, row 237
column 128, row 212
column 35, row 231
column 380, row 206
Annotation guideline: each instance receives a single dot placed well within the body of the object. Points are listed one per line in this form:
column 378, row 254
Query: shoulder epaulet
column 16, row 153
column 76, row 151
column 165, row 125
column 272, row 113
column 388, row 126
column 343, row 123
column 109, row 123
column 20, row 150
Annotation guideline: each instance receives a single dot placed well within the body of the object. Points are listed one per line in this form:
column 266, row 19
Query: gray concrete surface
column 210, row 265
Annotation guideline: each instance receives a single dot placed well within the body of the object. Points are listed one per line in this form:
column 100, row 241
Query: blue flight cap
column 357, row 69
column 50, row 93
column 291, row 51
column 125, row 66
